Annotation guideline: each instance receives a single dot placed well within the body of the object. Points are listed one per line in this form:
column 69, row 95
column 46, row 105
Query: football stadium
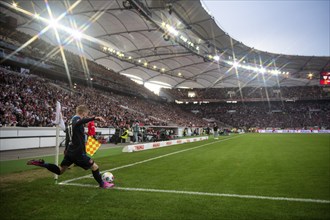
column 148, row 109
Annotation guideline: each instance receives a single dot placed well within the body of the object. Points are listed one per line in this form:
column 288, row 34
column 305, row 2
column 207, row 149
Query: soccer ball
column 108, row 177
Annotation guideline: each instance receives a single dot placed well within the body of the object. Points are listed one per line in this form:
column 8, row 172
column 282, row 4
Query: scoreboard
column 325, row 78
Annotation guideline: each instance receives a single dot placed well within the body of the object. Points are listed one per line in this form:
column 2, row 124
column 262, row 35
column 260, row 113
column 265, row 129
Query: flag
column 59, row 119
column 60, row 124
column 92, row 145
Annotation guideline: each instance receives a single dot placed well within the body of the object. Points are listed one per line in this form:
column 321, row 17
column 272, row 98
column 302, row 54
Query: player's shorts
column 82, row 161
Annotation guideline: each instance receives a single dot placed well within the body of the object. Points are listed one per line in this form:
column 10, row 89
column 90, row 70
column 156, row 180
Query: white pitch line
column 68, row 182
column 208, row 194
column 150, row 159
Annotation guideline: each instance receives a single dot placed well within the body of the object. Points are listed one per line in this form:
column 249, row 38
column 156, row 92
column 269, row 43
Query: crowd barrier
column 153, row 145
column 295, row 131
column 14, row 138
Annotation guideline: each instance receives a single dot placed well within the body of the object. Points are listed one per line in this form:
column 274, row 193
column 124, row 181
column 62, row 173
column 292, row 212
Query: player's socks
column 52, row 168
column 41, row 163
column 97, row 176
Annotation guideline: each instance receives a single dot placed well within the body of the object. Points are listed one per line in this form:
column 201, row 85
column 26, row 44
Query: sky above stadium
column 300, row 27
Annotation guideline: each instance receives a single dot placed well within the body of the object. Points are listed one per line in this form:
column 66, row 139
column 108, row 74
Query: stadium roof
column 170, row 41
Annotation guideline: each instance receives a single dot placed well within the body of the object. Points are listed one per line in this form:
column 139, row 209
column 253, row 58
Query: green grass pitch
column 264, row 172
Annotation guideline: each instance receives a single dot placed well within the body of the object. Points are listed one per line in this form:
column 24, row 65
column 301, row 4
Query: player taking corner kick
column 75, row 151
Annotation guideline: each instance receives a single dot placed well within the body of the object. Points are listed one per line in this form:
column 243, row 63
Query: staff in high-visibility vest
column 124, row 135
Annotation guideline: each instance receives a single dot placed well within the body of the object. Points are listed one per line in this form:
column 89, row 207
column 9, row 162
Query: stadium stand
column 283, row 115
column 29, row 100
column 12, row 39
column 246, row 93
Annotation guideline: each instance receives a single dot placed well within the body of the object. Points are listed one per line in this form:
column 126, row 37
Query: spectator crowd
column 296, row 115
column 246, row 93
column 29, row 100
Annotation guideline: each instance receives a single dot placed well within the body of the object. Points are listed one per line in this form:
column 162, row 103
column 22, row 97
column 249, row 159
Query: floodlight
column 76, row 34
column 173, row 31
column 216, row 58
column 183, row 39
column 262, row 70
column 53, row 23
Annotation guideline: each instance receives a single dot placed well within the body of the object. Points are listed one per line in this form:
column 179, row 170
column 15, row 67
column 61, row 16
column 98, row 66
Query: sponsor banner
column 154, row 145
column 139, row 147
column 295, row 131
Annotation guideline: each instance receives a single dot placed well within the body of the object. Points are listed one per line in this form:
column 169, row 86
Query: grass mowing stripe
column 150, row 159
column 206, row 194
column 197, row 192
column 286, row 166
